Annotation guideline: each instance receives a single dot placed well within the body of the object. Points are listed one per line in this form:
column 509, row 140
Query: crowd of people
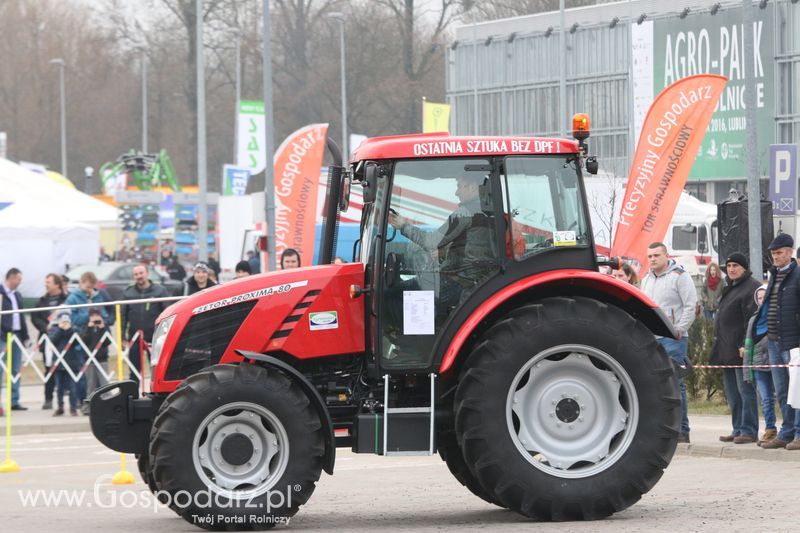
column 755, row 327
column 64, row 356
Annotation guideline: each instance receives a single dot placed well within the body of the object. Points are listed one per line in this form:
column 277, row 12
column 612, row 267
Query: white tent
column 18, row 184
column 45, row 226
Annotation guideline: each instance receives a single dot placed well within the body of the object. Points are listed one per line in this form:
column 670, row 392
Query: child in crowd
column 92, row 337
column 762, row 377
column 61, row 335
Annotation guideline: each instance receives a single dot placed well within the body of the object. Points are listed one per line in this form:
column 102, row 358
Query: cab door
column 440, row 245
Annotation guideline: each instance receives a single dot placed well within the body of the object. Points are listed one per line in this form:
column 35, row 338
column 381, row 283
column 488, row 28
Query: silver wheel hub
column 572, row 411
column 240, row 450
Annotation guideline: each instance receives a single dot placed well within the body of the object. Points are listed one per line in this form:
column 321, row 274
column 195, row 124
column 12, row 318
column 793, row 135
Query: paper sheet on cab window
column 418, row 313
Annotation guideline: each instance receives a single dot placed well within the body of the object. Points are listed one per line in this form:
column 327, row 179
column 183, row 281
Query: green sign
column 705, row 43
column 250, row 153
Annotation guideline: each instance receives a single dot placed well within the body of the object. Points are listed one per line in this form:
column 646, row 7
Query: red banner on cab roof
column 297, row 163
column 443, row 145
column 671, row 136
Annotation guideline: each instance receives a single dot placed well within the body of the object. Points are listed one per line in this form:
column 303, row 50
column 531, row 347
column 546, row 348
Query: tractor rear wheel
column 237, row 447
column 567, row 409
column 451, row 454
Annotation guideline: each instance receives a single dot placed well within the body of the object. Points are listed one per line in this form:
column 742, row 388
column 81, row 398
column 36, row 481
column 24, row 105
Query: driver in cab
column 463, row 244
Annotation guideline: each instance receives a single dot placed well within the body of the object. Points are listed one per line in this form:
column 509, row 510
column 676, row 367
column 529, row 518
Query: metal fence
column 45, row 351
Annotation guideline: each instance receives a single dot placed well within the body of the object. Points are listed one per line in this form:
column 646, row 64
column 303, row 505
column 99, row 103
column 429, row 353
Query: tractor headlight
column 159, row 338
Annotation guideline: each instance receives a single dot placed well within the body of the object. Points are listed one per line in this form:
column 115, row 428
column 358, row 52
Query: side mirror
column 592, row 166
column 344, row 199
column 702, row 241
column 370, row 183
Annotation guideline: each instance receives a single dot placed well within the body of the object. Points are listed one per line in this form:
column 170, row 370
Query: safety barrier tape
column 744, row 366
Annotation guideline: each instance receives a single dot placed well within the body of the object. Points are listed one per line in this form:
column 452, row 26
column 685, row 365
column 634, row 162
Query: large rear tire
column 237, row 447
column 567, row 409
column 451, row 454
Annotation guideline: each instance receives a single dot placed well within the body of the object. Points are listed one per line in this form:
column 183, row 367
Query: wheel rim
column 240, row 450
column 572, row 411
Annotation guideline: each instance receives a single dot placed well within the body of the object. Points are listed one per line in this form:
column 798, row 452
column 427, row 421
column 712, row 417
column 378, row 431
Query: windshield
column 544, row 204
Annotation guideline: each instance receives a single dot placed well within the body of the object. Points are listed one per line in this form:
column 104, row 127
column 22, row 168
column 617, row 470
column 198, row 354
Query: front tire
column 237, row 447
column 567, row 409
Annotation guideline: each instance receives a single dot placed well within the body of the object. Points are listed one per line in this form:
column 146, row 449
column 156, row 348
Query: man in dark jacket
column 175, row 270
column 11, row 300
column 141, row 317
column 54, row 296
column 736, row 306
column 778, row 320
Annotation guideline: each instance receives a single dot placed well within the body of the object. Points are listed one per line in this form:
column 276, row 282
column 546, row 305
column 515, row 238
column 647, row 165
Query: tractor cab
column 449, row 221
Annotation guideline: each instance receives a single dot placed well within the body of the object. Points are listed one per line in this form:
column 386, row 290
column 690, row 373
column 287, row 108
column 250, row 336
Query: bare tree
column 420, row 44
column 481, row 10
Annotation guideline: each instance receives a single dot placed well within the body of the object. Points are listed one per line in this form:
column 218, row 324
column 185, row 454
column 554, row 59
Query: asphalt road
column 370, row 493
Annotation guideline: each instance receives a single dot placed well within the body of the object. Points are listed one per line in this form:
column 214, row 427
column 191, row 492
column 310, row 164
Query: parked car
column 114, row 277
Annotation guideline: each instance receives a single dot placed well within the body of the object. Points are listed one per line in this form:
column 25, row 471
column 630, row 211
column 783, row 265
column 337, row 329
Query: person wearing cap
column 63, row 334
column 242, row 269
column 778, row 320
column 669, row 286
column 199, row 279
column 736, row 306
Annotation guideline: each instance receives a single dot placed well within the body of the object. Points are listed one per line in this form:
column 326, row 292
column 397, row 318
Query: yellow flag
column 435, row 117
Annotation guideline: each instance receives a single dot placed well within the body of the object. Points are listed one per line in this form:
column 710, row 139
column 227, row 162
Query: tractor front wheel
column 237, row 447
column 567, row 409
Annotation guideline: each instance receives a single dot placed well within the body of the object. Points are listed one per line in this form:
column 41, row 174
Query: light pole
column 60, row 63
column 340, row 18
column 202, row 184
column 269, row 136
column 143, row 50
column 237, row 34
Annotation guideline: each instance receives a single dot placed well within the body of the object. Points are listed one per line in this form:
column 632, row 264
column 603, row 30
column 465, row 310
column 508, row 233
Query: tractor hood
column 303, row 313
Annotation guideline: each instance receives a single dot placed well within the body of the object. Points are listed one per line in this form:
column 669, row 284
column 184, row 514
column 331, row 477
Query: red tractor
column 472, row 322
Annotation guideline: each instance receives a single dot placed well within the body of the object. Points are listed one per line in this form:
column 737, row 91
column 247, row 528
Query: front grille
column 205, row 339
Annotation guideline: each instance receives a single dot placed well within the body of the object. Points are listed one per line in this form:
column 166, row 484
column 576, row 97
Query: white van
column 692, row 237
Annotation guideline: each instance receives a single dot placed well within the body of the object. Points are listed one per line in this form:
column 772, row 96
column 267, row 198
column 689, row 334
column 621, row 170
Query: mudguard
column 313, row 396
column 566, row 282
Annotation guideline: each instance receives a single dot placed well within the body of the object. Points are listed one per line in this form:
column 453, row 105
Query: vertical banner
column 250, row 152
column 234, row 180
column 670, row 138
column 297, row 163
column 435, row 117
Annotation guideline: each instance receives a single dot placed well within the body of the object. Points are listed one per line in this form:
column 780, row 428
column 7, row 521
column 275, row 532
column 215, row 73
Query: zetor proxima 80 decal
column 471, row 322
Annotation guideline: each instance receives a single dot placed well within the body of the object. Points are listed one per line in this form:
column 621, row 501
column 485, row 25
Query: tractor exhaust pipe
column 330, row 217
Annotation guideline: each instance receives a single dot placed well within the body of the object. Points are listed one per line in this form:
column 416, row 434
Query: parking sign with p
column 783, row 178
